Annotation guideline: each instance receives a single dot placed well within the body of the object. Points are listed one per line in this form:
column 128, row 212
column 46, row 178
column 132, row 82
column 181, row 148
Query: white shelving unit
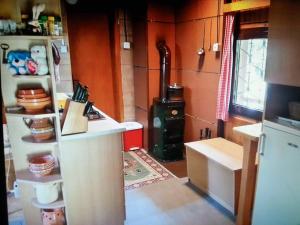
column 23, row 145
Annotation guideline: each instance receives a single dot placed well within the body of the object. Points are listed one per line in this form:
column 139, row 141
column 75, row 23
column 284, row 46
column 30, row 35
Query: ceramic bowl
column 41, row 173
column 42, row 136
column 35, row 107
column 41, row 162
column 42, row 130
column 34, row 124
column 42, row 95
column 33, row 100
column 31, row 91
column 41, row 165
column 37, row 169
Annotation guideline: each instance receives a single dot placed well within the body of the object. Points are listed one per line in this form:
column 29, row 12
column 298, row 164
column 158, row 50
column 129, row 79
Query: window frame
column 235, row 109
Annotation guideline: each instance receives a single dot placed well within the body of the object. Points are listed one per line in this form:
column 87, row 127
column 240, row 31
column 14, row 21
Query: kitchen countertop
column 251, row 131
column 97, row 128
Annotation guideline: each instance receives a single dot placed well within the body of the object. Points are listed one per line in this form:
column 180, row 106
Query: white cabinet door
column 277, row 198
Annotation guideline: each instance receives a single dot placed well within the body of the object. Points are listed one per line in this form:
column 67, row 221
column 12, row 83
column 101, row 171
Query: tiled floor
column 172, row 202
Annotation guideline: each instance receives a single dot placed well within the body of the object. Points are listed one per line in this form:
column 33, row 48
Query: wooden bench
column 214, row 166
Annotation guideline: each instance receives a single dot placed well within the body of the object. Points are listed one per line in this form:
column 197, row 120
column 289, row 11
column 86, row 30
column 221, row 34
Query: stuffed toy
column 38, row 54
column 17, row 61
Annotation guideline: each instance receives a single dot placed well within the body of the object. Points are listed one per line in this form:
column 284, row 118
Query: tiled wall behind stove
column 127, row 67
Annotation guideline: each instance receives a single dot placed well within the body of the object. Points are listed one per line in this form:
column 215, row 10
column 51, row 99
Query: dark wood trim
column 245, row 5
column 242, row 111
column 116, row 64
column 233, row 108
column 220, row 128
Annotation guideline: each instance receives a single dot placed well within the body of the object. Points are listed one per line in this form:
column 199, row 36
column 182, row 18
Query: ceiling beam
column 245, row 5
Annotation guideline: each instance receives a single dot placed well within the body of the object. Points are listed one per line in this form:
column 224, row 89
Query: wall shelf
column 25, row 176
column 30, row 116
column 58, row 204
column 30, row 139
column 31, row 76
column 30, row 37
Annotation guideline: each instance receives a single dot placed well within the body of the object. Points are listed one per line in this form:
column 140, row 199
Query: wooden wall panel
column 115, row 44
column 197, row 9
column 139, row 34
column 159, row 11
column 154, row 80
column 199, row 75
column 160, row 31
column 142, row 117
column 141, row 87
column 235, row 121
column 91, row 57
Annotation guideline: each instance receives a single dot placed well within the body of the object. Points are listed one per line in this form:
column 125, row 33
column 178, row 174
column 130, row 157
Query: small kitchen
column 150, row 112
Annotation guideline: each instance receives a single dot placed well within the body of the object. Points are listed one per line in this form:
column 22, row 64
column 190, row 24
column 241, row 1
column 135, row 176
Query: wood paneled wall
column 140, row 67
column 91, row 56
column 157, row 22
column 198, row 75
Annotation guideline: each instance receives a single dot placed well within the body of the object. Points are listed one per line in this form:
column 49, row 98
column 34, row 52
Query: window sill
column 243, row 119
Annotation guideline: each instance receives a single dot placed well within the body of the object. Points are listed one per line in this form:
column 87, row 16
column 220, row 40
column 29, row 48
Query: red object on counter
column 133, row 136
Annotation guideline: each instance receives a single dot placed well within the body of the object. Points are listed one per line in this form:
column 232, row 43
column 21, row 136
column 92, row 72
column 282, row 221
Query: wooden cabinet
column 283, row 57
column 93, row 180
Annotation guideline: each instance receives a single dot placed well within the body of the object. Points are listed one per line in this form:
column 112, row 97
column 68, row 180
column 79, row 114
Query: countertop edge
column 91, row 135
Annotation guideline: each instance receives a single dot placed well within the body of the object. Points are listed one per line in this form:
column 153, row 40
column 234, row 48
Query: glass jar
column 44, row 25
column 51, row 20
column 57, row 26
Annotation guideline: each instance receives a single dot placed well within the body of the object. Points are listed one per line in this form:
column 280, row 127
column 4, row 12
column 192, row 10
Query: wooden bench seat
column 214, row 166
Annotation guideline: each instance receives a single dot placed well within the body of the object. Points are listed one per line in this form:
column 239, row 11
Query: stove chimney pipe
column 165, row 65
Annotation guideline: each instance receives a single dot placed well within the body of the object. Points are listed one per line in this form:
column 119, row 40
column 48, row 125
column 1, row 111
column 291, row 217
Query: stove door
column 174, row 130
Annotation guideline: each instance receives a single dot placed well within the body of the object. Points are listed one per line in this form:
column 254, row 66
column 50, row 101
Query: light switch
column 126, row 45
column 216, row 47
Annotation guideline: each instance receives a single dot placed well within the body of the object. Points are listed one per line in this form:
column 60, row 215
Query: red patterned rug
column 140, row 169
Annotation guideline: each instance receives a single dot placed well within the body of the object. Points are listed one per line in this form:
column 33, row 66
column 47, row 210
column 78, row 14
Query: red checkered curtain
column 226, row 71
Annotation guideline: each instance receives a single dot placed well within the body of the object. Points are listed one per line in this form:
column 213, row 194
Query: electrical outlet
column 126, row 45
column 216, row 47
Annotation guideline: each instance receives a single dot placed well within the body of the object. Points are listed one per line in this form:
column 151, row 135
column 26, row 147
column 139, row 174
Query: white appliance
column 277, row 197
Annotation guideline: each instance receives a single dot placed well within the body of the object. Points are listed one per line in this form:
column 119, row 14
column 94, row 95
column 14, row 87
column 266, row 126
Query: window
column 249, row 87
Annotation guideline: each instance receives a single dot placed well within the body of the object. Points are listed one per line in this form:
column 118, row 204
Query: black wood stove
column 167, row 114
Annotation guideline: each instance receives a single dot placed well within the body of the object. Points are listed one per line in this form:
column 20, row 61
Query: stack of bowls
column 41, row 165
column 34, row 100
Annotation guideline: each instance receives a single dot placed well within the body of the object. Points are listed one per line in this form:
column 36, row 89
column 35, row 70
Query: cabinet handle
column 261, row 143
column 292, row 145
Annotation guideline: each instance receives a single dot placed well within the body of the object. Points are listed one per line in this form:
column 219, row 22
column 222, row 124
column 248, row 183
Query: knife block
column 73, row 121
